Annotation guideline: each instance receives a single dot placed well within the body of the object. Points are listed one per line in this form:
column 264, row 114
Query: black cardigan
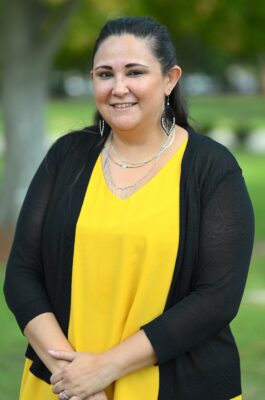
column 197, row 354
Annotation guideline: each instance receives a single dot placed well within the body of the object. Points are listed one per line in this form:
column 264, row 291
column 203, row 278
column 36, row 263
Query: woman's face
column 129, row 86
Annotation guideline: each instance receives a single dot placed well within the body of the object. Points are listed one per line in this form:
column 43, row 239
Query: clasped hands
column 85, row 376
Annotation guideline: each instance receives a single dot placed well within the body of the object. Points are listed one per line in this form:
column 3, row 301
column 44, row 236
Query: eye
column 104, row 74
column 135, row 73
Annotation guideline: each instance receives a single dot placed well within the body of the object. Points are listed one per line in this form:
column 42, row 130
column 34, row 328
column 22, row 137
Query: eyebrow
column 130, row 65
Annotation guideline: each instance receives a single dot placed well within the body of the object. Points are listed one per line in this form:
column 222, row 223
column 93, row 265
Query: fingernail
column 52, row 351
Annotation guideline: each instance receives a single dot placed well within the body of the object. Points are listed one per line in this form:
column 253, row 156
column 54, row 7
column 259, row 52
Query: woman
column 133, row 243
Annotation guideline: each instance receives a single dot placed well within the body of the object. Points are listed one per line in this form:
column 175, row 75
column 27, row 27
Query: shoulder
column 79, row 139
column 72, row 143
column 87, row 135
column 212, row 156
column 208, row 163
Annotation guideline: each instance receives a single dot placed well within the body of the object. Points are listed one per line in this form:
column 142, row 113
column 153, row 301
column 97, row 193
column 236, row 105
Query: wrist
column 134, row 353
column 112, row 364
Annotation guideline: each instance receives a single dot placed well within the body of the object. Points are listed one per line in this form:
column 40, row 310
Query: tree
column 209, row 34
column 32, row 31
column 30, row 40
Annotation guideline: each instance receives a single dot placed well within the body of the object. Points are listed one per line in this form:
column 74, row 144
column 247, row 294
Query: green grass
column 225, row 110
column 12, row 345
column 206, row 112
column 248, row 329
column 253, row 167
column 66, row 115
column 233, row 111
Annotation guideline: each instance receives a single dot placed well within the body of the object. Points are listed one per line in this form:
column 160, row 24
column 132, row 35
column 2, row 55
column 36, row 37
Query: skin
column 43, row 333
column 124, row 72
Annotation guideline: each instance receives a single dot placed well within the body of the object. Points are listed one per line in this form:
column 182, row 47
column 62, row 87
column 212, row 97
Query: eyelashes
column 108, row 75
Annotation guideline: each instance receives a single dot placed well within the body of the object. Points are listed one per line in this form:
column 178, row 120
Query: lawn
column 236, row 112
column 233, row 111
column 12, row 346
column 253, row 167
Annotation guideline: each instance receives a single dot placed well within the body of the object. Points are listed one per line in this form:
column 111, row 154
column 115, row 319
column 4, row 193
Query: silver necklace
column 125, row 191
column 127, row 164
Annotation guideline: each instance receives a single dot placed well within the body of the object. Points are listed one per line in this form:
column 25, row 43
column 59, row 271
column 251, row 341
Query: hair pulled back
column 160, row 44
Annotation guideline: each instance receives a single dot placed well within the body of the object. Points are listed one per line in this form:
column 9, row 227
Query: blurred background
column 45, row 92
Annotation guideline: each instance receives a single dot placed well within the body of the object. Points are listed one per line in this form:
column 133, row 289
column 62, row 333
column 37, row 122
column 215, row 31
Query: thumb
column 62, row 355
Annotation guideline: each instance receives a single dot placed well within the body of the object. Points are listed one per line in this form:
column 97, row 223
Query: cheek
column 151, row 97
column 149, row 91
column 101, row 91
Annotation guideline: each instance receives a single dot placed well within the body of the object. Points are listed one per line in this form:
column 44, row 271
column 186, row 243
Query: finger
column 98, row 396
column 56, row 377
column 59, row 387
column 65, row 393
column 62, row 355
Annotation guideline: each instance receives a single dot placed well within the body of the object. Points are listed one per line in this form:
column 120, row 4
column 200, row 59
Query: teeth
column 124, row 105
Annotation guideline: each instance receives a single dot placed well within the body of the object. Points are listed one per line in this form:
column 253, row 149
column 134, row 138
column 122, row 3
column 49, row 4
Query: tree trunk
column 24, row 83
column 27, row 50
column 24, row 93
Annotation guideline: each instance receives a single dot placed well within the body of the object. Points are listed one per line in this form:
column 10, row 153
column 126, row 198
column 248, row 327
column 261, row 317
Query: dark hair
column 161, row 46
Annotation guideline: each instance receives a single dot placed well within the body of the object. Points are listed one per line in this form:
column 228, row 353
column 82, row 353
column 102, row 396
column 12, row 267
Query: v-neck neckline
column 156, row 176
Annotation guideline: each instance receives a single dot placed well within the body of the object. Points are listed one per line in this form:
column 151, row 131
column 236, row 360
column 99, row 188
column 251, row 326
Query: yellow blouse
column 124, row 258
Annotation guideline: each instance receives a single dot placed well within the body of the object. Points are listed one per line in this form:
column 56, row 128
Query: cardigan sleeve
column 225, row 247
column 24, row 287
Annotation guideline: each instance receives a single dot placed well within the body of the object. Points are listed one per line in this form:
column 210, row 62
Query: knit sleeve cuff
column 31, row 310
column 155, row 333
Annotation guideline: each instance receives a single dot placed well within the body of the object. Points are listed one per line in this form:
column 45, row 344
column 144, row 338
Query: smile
column 123, row 105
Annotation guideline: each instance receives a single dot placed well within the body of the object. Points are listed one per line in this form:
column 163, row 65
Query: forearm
column 44, row 333
column 134, row 353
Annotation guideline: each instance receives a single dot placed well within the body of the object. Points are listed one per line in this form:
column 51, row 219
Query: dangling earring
column 101, row 127
column 168, row 118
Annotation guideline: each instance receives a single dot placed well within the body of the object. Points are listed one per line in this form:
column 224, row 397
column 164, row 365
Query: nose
column 120, row 87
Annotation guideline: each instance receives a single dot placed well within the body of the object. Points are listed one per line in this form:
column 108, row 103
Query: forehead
column 125, row 48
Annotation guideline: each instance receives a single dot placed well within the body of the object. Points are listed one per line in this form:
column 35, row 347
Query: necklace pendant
column 124, row 166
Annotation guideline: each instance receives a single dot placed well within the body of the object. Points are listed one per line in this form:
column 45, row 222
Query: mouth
column 123, row 105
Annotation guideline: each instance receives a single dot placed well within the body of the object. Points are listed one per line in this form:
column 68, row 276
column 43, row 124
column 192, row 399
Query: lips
column 123, row 105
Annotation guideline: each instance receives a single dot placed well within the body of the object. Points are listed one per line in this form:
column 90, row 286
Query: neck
column 140, row 143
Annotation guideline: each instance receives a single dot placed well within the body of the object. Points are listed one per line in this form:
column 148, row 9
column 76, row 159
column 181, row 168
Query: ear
column 172, row 78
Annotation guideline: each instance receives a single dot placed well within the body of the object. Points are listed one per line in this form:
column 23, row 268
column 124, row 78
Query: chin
column 124, row 126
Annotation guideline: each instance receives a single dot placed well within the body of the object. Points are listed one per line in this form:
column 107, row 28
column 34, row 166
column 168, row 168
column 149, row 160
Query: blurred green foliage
column 208, row 33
